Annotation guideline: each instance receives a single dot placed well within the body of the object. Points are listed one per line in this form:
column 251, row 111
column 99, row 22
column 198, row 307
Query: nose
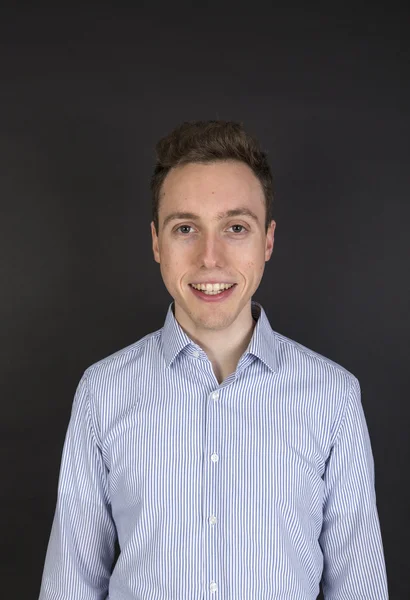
column 210, row 251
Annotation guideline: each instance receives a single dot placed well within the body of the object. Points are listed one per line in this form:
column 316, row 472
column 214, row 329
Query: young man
column 228, row 461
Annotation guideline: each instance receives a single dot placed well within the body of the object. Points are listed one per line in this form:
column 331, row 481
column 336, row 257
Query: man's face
column 207, row 245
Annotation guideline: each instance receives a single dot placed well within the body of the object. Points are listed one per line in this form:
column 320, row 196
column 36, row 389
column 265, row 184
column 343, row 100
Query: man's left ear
column 270, row 240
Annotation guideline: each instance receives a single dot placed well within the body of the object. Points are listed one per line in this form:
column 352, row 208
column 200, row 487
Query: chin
column 214, row 321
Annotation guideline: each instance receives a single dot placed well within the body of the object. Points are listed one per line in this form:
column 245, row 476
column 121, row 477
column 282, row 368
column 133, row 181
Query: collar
column 263, row 343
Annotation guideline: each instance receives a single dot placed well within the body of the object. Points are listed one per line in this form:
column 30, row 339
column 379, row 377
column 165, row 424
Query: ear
column 155, row 244
column 270, row 239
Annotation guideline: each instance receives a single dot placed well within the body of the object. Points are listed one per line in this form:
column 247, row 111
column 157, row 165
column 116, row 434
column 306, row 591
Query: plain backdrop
column 85, row 93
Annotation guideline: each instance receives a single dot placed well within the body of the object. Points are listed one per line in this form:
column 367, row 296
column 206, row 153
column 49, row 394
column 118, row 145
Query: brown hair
column 205, row 142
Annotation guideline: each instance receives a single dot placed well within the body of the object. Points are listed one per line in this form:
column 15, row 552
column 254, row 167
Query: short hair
column 207, row 142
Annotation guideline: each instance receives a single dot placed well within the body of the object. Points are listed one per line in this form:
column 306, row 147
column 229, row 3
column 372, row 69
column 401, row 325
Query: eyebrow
column 234, row 212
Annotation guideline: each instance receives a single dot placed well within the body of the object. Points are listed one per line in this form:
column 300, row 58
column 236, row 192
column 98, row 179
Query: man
column 228, row 461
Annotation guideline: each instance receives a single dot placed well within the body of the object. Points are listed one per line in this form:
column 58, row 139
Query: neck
column 223, row 347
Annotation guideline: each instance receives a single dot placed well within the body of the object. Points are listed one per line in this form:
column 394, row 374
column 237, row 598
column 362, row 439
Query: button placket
column 212, row 520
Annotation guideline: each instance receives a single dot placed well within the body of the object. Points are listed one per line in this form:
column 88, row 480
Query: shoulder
column 299, row 361
column 124, row 362
column 114, row 383
column 318, row 385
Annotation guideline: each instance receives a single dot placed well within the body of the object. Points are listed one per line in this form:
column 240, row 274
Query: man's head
column 212, row 192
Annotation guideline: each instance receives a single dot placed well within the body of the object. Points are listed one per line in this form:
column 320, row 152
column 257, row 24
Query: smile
column 208, row 292
column 212, row 288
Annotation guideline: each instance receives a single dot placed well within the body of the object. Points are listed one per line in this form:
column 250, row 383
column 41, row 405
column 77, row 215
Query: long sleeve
column 354, row 567
column 81, row 548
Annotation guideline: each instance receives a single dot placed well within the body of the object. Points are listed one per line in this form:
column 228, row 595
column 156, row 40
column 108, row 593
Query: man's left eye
column 241, row 226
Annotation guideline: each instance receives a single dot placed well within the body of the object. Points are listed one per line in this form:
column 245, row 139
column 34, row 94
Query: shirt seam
column 91, row 415
column 343, row 418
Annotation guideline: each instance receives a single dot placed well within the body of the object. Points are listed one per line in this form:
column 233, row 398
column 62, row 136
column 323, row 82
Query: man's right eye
column 183, row 227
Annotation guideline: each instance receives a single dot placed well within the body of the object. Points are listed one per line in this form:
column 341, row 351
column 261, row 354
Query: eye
column 241, row 226
column 183, row 227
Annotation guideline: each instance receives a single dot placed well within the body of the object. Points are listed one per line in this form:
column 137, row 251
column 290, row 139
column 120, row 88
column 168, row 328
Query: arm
column 82, row 543
column 354, row 567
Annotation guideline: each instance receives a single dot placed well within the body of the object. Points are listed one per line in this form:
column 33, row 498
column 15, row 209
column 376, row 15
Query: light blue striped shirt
column 257, row 488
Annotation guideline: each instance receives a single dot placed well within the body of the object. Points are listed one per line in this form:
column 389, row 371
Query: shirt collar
column 263, row 343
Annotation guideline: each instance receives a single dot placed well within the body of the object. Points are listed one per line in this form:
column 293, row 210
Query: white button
column 215, row 395
column 195, row 353
column 212, row 520
column 214, row 457
column 213, row 587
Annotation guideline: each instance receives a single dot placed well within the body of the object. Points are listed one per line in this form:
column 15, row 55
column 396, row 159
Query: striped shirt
column 257, row 488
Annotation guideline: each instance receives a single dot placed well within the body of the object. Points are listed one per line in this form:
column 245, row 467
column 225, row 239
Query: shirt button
column 213, row 587
column 212, row 520
column 195, row 353
column 214, row 457
column 215, row 395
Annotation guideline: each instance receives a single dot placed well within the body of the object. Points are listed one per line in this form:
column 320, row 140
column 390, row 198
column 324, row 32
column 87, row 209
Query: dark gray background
column 84, row 96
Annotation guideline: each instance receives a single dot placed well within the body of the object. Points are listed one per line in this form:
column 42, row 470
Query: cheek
column 170, row 269
column 166, row 268
column 255, row 266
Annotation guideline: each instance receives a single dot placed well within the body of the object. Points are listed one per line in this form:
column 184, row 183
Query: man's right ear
column 155, row 245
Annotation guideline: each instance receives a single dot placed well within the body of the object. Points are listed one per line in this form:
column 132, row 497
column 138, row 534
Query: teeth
column 212, row 288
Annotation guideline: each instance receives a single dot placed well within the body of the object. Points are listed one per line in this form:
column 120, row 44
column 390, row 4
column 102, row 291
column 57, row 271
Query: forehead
column 211, row 187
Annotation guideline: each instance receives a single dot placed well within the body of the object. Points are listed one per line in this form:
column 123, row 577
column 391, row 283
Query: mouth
column 212, row 292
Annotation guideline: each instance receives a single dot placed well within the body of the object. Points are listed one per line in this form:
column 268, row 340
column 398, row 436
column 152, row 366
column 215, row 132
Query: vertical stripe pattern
column 257, row 488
